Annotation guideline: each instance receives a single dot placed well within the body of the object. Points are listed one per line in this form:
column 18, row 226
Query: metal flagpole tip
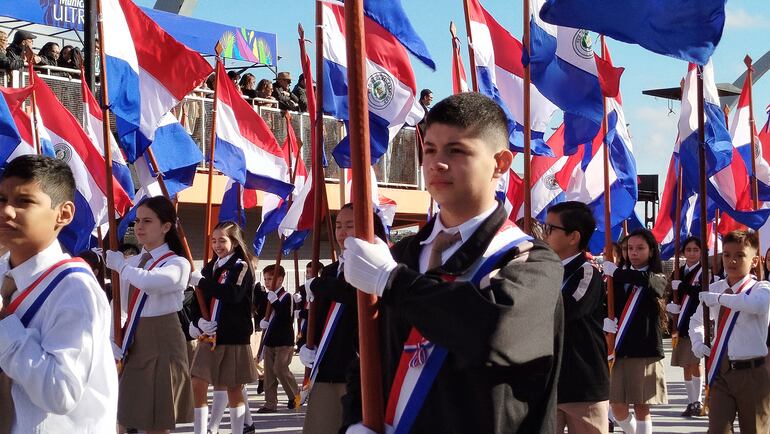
column 219, row 48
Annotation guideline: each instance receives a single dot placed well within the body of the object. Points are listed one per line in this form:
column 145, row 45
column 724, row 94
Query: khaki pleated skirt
column 226, row 366
column 155, row 388
column 638, row 380
column 7, row 412
column 682, row 355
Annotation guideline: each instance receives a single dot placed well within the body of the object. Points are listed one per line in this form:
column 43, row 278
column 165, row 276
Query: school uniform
column 301, row 313
column 492, row 338
column 739, row 382
column 584, row 383
column 682, row 355
column 155, row 387
column 226, row 285
column 638, row 376
column 60, row 361
column 278, row 343
column 336, row 341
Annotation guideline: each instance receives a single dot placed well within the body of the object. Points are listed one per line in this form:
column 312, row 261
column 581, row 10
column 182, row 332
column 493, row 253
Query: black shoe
column 697, row 409
column 267, row 410
column 292, row 403
column 248, row 429
column 612, row 425
column 260, row 386
column 689, row 411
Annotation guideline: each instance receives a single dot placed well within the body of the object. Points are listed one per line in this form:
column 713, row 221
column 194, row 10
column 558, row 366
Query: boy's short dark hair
column 576, row 216
column 271, row 269
column 53, row 175
column 474, row 112
column 743, row 238
column 310, row 264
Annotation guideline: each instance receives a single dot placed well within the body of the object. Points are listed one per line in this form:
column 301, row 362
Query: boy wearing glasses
column 583, row 390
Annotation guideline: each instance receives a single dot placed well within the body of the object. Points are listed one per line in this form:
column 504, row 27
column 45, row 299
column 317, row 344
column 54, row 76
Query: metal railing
column 398, row 168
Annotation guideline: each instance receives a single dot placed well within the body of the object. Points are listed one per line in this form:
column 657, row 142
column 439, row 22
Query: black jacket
column 584, row 374
column 10, row 62
column 691, row 289
column 281, row 331
column 503, row 340
column 644, row 337
column 343, row 345
column 286, row 99
column 301, row 95
column 234, row 326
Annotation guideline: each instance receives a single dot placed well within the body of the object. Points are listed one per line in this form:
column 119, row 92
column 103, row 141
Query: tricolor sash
column 332, row 319
column 724, row 331
column 421, row 360
column 686, row 299
column 136, row 302
column 629, row 311
column 261, row 353
column 29, row 301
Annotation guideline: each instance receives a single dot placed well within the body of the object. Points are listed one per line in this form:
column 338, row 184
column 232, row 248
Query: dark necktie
column 441, row 243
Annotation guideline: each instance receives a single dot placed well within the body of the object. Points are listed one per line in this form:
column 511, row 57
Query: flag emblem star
column 380, row 90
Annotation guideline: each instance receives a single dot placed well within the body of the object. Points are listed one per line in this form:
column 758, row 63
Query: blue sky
column 653, row 128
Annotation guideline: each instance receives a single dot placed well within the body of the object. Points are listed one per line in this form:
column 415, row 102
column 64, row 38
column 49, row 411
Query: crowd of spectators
column 51, row 54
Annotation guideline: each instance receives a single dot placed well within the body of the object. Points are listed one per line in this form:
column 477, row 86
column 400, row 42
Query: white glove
column 675, row 284
column 610, row 325
column 115, row 260
column 368, row 266
column 117, row 352
column 308, row 291
column 307, row 356
column 207, row 327
column 673, row 308
column 193, row 331
column 608, row 268
column 263, row 324
column 296, row 314
column 358, row 428
column 271, row 297
column 709, row 298
column 195, row 277
column 297, row 297
column 700, row 350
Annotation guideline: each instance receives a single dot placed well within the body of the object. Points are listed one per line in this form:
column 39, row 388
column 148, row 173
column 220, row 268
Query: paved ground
column 666, row 417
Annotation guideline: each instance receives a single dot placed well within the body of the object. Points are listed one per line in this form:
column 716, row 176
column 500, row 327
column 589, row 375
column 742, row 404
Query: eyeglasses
column 549, row 228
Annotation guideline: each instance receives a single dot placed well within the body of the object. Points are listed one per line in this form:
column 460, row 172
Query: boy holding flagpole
column 470, row 315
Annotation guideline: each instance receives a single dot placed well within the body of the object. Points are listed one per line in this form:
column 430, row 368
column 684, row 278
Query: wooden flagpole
column 714, row 258
column 608, row 253
column 368, row 327
column 677, row 248
column 212, row 144
column 527, row 127
column 113, row 227
column 456, row 47
column 752, row 131
column 704, row 256
column 470, row 45
column 30, row 62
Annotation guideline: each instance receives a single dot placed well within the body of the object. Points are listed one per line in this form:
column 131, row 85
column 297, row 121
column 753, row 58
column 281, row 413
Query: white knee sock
column 697, row 387
column 628, row 425
column 247, row 420
column 201, row 420
column 217, row 409
column 688, row 388
column 644, row 426
column 236, row 418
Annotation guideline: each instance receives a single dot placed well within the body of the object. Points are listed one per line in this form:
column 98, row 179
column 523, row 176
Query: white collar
column 466, row 229
column 222, row 261
column 739, row 283
column 687, row 268
column 157, row 252
column 568, row 260
column 26, row 272
column 645, row 268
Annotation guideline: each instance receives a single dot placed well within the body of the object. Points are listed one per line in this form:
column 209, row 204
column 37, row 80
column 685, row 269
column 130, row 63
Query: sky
column 652, row 121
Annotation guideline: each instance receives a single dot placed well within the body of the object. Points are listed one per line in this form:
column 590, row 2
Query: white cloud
column 737, row 18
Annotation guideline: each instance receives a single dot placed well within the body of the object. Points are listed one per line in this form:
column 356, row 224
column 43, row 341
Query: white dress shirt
column 64, row 376
column 465, row 229
column 747, row 340
column 164, row 285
